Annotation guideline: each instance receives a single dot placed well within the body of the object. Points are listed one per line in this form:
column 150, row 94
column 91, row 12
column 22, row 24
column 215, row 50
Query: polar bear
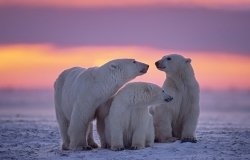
column 101, row 114
column 79, row 92
column 177, row 119
column 128, row 123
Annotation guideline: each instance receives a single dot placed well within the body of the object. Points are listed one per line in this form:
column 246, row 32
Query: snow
column 223, row 133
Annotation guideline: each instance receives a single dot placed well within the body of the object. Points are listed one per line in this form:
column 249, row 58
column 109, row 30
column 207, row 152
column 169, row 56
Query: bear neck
column 181, row 80
column 112, row 81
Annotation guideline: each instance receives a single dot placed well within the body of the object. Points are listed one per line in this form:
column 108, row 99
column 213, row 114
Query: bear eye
column 163, row 91
column 169, row 58
column 134, row 61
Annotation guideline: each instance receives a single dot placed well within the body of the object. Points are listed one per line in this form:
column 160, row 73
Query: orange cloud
column 119, row 3
column 222, row 71
column 37, row 66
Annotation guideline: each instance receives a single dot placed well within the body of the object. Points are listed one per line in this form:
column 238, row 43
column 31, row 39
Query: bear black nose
column 157, row 63
column 169, row 99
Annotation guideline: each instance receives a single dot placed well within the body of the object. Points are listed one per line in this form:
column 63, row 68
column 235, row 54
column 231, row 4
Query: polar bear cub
column 177, row 119
column 79, row 92
column 129, row 124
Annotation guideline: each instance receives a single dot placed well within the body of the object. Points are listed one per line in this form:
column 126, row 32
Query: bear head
column 144, row 94
column 126, row 69
column 175, row 65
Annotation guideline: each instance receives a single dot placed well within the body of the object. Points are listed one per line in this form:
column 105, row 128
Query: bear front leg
column 149, row 141
column 163, row 131
column 116, row 138
column 150, row 136
column 91, row 141
column 164, row 134
column 139, row 138
column 78, row 130
column 188, row 130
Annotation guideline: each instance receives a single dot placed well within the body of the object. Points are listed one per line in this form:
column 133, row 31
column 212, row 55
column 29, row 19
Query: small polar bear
column 129, row 123
column 79, row 92
column 177, row 119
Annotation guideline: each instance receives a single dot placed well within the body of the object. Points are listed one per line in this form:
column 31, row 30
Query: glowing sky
column 39, row 39
column 37, row 66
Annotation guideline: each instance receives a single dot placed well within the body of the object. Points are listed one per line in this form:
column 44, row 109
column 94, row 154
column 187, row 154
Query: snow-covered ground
column 28, row 130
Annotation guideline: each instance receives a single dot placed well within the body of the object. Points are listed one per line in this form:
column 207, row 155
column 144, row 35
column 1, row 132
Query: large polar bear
column 79, row 92
column 128, row 123
column 177, row 119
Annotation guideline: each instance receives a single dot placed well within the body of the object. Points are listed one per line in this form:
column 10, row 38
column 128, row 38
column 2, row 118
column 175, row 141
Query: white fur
column 101, row 114
column 177, row 119
column 79, row 92
column 128, row 123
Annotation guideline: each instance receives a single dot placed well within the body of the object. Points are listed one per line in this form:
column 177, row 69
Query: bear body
column 128, row 123
column 177, row 119
column 79, row 92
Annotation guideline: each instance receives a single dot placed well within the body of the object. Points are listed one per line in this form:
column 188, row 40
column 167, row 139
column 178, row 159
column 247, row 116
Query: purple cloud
column 175, row 28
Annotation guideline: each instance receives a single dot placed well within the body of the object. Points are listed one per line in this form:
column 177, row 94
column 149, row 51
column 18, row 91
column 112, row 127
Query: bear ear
column 113, row 66
column 188, row 60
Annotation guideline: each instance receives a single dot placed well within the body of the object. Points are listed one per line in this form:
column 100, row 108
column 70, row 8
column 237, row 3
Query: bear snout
column 158, row 64
column 169, row 99
column 145, row 69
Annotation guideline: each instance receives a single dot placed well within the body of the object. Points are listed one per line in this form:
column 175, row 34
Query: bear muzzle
column 145, row 69
column 158, row 65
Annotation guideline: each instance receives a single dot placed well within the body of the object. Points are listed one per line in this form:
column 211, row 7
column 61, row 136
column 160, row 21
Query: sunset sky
column 39, row 39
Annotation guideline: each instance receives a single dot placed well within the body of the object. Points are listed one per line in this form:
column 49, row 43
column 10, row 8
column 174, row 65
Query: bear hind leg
column 100, row 125
column 91, row 141
column 78, row 130
column 63, row 126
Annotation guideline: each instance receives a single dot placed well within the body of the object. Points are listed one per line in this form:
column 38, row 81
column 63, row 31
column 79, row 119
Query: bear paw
column 149, row 144
column 166, row 140
column 136, row 147
column 170, row 140
column 189, row 139
column 106, row 146
column 65, row 146
column 93, row 145
column 117, row 148
column 86, row 148
column 157, row 140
